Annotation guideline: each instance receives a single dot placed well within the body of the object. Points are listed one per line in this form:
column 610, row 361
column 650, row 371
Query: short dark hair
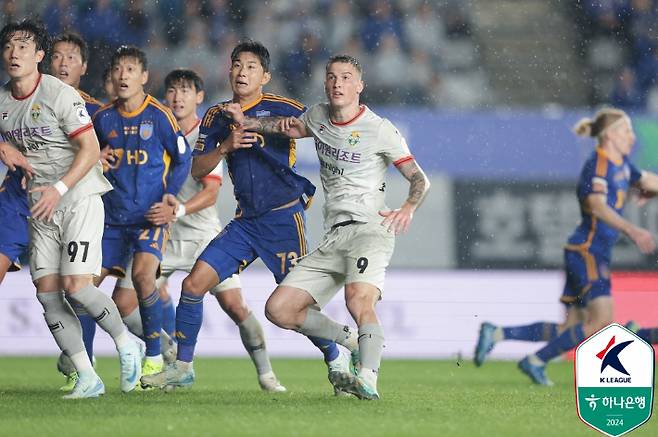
column 33, row 27
column 257, row 49
column 188, row 77
column 129, row 52
column 74, row 38
column 345, row 59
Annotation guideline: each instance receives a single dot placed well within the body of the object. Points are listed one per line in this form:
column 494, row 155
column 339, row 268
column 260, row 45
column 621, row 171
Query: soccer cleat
column 71, row 380
column 355, row 361
column 341, row 365
column 89, row 386
column 174, row 375
column 485, row 343
column 352, row 384
column 130, row 358
column 268, row 382
column 536, row 373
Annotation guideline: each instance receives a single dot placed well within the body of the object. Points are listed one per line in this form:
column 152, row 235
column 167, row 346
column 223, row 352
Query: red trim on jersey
column 80, row 130
column 403, row 160
column 212, row 177
column 196, row 123
column 362, row 109
column 30, row 93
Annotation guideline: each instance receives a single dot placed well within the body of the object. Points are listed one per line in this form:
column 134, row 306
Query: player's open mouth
column 63, row 74
column 240, row 83
column 123, row 86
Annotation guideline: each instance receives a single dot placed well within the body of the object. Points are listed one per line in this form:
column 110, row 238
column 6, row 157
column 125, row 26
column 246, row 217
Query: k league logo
column 614, row 370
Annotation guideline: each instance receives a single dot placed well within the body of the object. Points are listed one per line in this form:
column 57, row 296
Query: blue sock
column 650, row 335
column 540, row 331
column 189, row 316
column 327, row 347
column 168, row 317
column 88, row 332
column 562, row 343
column 150, row 309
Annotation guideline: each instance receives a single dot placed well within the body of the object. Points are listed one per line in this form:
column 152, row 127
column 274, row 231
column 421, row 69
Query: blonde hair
column 604, row 118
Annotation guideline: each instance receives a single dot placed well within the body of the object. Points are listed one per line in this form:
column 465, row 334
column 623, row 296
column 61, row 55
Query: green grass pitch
column 418, row 398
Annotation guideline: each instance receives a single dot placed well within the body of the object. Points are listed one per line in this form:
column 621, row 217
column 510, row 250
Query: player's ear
column 199, row 97
column 40, row 55
column 84, row 69
column 267, row 76
column 360, row 86
column 145, row 77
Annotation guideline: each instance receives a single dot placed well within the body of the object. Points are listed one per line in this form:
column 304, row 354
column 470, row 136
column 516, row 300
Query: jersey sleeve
column 636, row 174
column 71, row 113
column 212, row 131
column 393, row 145
column 217, row 173
column 176, row 145
column 593, row 178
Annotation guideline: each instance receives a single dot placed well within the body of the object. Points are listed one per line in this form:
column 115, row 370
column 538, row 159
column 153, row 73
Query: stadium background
column 485, row 92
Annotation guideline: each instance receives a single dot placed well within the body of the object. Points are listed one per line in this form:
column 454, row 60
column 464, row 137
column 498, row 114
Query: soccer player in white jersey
column 355, row 147
column 47, row 122
column 197, row 223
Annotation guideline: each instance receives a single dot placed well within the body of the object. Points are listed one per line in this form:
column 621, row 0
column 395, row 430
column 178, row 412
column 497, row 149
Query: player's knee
column 275, row 311
column 144, row 281
column 194, row 285
column 73, row 284
column 360, row 304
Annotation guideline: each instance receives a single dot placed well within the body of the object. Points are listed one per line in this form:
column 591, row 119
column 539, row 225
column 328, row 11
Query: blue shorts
column 121, row 242
column 277, row 237
column 14, row 238
column 588, row 277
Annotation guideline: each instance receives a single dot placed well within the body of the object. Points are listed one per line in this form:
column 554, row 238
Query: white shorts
column 69, row 244
column 180, row 255
column 358, row 252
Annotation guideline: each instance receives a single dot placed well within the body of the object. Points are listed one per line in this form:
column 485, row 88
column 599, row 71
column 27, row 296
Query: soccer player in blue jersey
column 602, row 191
column 68, row 63
column 271, row 196
column 14, row 212
column 151, row 161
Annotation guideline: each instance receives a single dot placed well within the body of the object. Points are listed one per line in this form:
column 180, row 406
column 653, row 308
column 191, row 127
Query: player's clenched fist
column 238, row 139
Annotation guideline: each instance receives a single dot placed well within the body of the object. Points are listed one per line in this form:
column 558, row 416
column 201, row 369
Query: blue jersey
column 151, row 155
column 263, row 175
column 12, row 195
column 613, row 179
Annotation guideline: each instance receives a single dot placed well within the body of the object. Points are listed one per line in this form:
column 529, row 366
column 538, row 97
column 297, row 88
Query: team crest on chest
column 353, row 139
column 35, row 112
column 146, row 129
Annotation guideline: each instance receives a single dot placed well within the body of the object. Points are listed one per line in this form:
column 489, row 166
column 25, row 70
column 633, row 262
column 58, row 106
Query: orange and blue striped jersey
column 151, row 158
column 91, row 103
column 613, row 179
column 264, row 175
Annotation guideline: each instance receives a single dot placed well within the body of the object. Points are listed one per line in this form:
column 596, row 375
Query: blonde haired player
column 355, row 147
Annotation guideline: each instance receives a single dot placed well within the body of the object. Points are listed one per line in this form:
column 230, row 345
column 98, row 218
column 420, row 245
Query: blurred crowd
column 399, row 42
column 631, row 27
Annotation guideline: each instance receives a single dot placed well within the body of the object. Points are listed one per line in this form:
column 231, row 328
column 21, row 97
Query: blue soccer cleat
column 536, row 373
column 485, row 343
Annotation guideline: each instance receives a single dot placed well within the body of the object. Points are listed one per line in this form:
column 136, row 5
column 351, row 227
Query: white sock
column 183, row 365
column 122, row 340
column 369, row 376
column 157, row 359
column 498, row 334
column 81, row 363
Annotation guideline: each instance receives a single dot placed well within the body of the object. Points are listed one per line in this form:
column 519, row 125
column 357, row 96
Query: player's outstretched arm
column 12, row 158
column 87, row 156
column 398, row 220
column 291, row 127
column 644, row 240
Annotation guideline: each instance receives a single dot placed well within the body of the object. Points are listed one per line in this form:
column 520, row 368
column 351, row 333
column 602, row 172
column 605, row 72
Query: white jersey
column 354, row 157
column 203, row 224
column 41, row 125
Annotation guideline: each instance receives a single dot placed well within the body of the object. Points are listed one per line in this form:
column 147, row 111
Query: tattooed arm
column 291, row 127
column 398, row 220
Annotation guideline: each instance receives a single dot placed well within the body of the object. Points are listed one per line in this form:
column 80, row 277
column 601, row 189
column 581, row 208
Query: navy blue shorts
column 121, row 242
column 14, row 237
column 588, row 277
column 277, row 237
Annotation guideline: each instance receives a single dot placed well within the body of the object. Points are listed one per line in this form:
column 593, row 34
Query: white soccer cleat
column 268, row 382
column 355, row 385
column 337, row 368
column 130, row 358
column 179, row 374
column 88, row 386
